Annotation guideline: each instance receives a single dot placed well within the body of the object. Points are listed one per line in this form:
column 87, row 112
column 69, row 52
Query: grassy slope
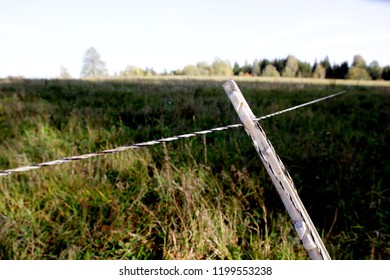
column 206, row 197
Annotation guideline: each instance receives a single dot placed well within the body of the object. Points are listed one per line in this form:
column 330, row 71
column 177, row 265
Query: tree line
column 94, row 67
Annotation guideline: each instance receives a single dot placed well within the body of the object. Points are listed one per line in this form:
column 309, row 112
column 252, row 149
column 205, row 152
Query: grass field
column 201, row 198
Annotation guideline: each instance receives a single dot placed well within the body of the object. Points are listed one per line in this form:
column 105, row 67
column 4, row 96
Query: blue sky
column 37, row 37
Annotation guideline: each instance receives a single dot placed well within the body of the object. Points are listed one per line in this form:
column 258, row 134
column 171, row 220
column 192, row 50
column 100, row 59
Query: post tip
column 230, row 86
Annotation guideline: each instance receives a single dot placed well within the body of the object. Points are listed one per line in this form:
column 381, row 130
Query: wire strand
column 304, row 104
column 162, row 140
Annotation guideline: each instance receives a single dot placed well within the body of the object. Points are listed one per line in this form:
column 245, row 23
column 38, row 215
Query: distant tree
column 150, row 72
column 319, row 72
column 328, row 67
column 263, row 64
column 326, row 63
column 236, row 69
column 386, row 73
column 313, row 68
column 357, row 73
column 292, row 67
column 270, row 71
column 64, row 74
column 304, row 69
column 204, row 68
column 358, row 69
column 256, row 69
column 340, row 71
column 221, row 67
column 374, row 70
column 177, row 72
column 191, row 70
column 358, row 61
column 132, row 71
column 279, row 64
column 246, row 69
column 93, row 66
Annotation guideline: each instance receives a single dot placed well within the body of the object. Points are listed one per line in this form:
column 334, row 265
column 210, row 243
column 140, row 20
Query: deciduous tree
column 132, row 71
column 374, row 70
column 358, row 70
column 304, row 69
column 291, row 68
column 221, row 67
column 357, row 73
column 270, row 71
column 64, row 74
column 204, row 68
column 319, row 72
column 191, row 70
column 93, row 66
column 256, row 70
column 358, row 61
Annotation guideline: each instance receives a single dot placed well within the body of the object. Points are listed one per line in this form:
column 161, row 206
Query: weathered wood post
column 280, row 177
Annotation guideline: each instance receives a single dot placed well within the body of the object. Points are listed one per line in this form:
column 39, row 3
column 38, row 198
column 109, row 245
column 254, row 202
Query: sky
column 37, row 37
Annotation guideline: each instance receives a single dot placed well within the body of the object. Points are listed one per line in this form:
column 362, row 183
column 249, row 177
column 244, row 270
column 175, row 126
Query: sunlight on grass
column 200, row 198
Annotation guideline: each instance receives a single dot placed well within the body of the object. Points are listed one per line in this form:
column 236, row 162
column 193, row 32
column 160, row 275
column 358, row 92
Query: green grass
column 199, row 198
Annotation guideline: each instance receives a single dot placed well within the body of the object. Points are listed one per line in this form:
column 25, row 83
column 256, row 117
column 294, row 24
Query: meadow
column 207, row 197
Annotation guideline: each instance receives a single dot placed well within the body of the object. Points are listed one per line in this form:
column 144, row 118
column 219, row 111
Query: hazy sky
column 39, row 36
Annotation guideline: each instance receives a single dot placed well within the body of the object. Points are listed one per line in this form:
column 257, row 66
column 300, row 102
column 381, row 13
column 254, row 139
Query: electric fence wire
column 160, row 141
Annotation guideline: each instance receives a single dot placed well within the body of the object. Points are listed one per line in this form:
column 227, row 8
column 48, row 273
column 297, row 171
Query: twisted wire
column 159, row 141
column 304, row 104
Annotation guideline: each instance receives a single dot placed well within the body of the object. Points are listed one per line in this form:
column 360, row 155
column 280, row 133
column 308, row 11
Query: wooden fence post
column 281, row 179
